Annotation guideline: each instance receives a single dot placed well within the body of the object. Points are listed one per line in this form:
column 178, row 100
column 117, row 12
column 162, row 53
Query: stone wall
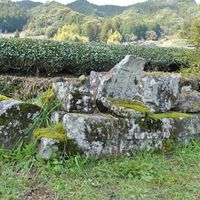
column 126, row 110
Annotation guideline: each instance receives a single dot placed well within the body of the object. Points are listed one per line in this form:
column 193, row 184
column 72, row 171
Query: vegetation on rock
column 132, row 105
column 170, row 115
column 56, row 132
column 2, row 98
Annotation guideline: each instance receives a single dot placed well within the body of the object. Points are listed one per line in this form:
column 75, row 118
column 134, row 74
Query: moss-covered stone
column 149, row 124
column 170, row 115
column 16, row 118
column 131, row 105
column 3, row 98
column 56, row 132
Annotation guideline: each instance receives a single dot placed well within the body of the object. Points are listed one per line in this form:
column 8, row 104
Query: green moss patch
column 132, row 105
column 170, row 115
column 56, row 132
column 2, row 98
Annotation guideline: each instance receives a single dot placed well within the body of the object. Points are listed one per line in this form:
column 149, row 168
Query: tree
column 192, row 33
column 114, row 38
column 157, row 28
column 12, row 17
column 140, row 31
column 91, row 31
column 115, row 23
column 70, row 33
column 105, row 28
column 151, row 35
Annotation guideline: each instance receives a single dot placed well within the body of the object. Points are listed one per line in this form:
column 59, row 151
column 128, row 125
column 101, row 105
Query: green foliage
column 48, row 104
column 166, row 17
column 140, row 31
column 193, row 71
column 114, row 38
column 27, row 4
column 88, row 8
column 49, row 57
column 12, row 17
column 192, row 33
column 91, row 30
column 47, row 18
column 70, row 33
column 162, row 17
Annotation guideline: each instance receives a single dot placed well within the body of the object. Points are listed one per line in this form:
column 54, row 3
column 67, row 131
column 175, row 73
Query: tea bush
column 33, row 57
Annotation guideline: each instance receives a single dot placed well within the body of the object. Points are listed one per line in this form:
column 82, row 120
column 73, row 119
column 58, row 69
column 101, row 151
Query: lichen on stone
column 132, row 105
column 56, row 132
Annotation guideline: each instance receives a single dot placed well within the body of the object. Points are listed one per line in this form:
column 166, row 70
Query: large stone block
column 98, row 135
column 122, row 81
column 160, row 93
column 188, row 101
column 93, row 134
column 15, row 119
column 74, row 95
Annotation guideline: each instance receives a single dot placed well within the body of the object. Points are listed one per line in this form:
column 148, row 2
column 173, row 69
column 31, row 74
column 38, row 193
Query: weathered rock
column 47, row 147
column 15, row 118
column 160, row 93
column 57, row 116
column 188, row 101
column 100, row 135
column 130, row 100
column 192, row 82
column 122, row 81
column 95, row 80
column 93, row 134
column 160, row 134
column 74, row 95
column 122, row 108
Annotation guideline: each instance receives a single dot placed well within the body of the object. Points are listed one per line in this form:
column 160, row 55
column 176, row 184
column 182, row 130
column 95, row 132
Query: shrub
column 30, row 57
column 193, row 72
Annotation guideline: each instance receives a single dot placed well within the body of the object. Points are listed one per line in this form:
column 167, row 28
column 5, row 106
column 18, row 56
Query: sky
column 105, row 2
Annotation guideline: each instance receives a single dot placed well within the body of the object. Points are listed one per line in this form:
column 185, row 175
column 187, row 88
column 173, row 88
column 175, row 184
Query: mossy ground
column 147, row 176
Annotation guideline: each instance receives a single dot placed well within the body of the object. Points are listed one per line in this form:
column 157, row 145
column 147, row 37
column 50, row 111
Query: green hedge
column 28, row 57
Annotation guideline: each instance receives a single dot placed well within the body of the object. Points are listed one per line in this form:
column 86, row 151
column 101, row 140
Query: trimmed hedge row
column 28, row 57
